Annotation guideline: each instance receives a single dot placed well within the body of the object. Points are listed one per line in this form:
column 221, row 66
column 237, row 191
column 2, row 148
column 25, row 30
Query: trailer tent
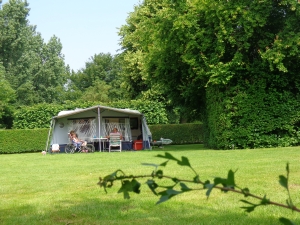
column 98, row 121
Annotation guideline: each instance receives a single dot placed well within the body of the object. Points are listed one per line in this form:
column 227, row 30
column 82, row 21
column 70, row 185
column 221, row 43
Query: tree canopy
column 99, row 80
column 188, row 45
column 34, row 69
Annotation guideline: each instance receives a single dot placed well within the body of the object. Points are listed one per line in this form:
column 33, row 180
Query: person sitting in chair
column 76, row 142
column 114, row 133
column 115, row 139
column 71, row 134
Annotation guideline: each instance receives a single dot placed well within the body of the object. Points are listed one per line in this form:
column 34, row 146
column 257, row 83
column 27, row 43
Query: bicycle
column 87, row 148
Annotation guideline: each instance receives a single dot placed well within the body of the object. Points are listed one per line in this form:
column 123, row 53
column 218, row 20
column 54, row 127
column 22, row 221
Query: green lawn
column 62, row 188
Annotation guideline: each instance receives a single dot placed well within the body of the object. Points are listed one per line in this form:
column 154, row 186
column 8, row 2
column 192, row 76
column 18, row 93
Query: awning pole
column 99, row 127
column 49, row 135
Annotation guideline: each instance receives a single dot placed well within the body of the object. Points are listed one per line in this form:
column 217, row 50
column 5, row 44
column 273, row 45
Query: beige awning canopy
column 66, row 113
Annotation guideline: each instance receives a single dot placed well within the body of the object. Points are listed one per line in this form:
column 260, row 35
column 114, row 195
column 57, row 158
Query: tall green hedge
column 40, row 115
column 187, row 133
column 253, row 113
column 23, row 140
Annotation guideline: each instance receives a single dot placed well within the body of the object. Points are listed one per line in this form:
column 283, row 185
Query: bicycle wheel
column 90, row 148
column 70, row 148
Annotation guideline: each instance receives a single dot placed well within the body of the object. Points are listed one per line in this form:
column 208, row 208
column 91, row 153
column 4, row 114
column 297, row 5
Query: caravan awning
column 76, row 111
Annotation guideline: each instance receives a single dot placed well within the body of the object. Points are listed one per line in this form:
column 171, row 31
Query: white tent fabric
column 123, row 128
column 147, row 136
column 83, row 127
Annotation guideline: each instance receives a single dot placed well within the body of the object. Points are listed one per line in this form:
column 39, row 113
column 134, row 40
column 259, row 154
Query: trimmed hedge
column 23, row 140
column 261, row 112
column 34, row 140
column 187, row 133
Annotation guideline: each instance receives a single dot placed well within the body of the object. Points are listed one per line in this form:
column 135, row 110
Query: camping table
column 100, row 140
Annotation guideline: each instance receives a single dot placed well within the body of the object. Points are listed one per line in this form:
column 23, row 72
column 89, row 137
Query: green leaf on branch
column 248, row 208
column 167, row 156
column 246, row 192
column 152, row 185
column 135, row 186
column 209, row 187
column 290, row 203
column 286, row 221
column 230, row 179
column 184, row 160
column 251, row 208
column 164, row 163
column 159, row 174
column 175, row 180
column 228, row 183
column 196, row 179
column 219, row 180
column 265, row 201
column 107, row 181
column 283, row 181
column 155, row 165
column 167, row 194
column 287, row 168
column 125, row 188
column 185, row 188
column 129, row 186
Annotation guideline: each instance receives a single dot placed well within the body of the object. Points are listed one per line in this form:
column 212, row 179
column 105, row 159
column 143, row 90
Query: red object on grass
column 138, row 145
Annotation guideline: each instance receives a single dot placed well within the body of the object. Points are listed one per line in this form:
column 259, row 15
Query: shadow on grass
column 138, row 211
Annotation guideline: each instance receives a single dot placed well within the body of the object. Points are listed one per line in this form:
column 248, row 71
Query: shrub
column 39, row 116
column 154, row 111
column 186, row 133
column 20, row 141
column 255, row 113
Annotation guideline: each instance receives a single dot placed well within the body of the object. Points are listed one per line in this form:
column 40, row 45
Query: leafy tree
column 154, row 41
column 98, row 92
column 7, row 98
column 154, row 111
column 101, row 69
column 34, row 69
column 13, row 23
column 50, row 75
column 72, row 92
column 205, row 54
column 115, row 79
column 248, row 84
column 26, row 94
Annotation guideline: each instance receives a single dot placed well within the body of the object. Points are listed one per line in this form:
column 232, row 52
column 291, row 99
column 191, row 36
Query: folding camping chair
column 115, row 142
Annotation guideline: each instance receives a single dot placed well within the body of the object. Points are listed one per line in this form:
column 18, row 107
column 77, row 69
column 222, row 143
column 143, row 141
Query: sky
column 84, row 27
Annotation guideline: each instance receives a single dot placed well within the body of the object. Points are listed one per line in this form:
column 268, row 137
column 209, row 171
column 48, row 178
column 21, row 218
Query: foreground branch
column 130, row 184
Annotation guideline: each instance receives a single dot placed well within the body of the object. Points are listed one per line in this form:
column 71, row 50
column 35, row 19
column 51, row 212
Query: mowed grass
column 62, row 188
